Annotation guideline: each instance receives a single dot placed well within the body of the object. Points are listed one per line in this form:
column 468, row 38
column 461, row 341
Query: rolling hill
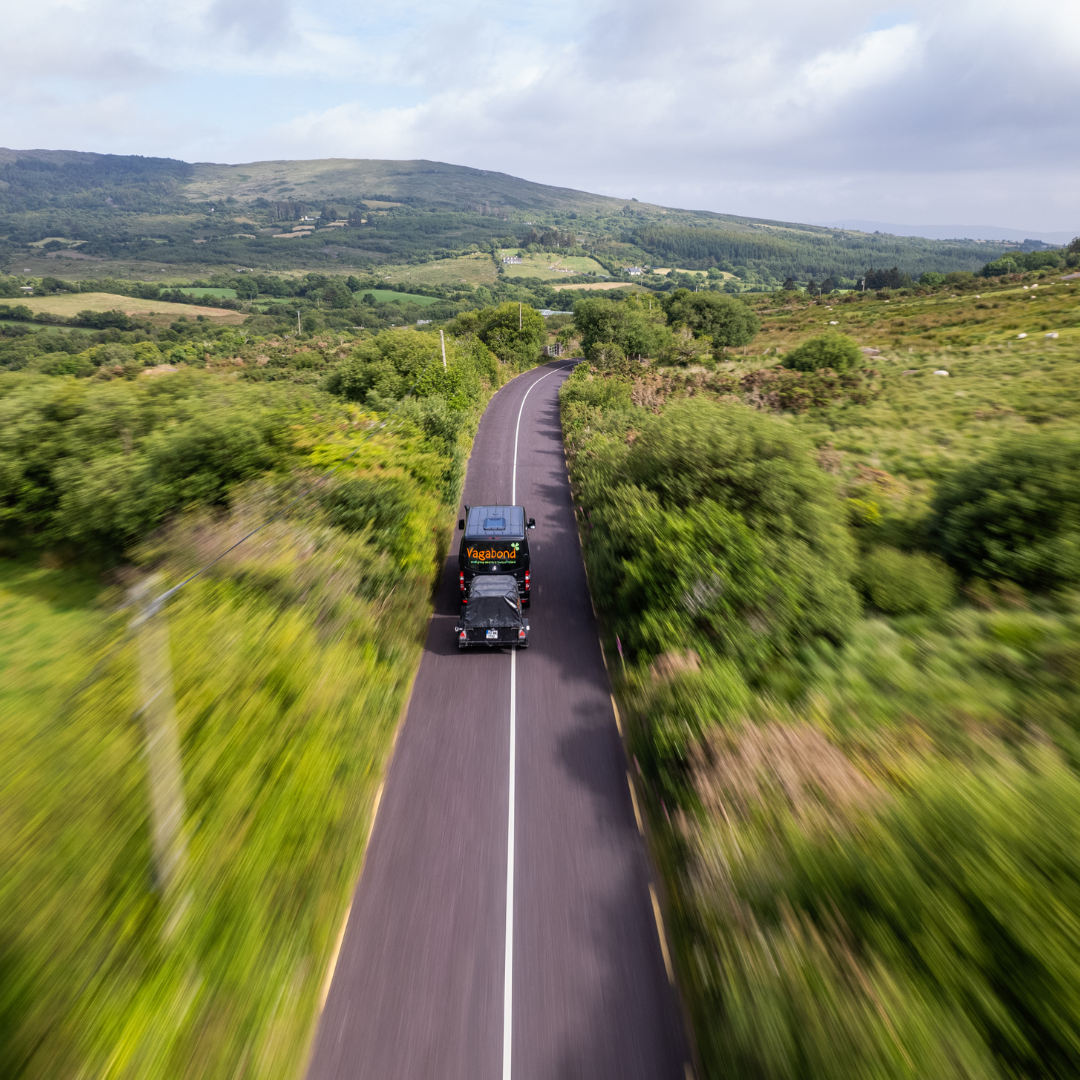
column 65, row 211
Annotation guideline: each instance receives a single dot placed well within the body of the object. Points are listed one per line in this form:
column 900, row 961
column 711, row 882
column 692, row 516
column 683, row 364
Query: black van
column 496, row 540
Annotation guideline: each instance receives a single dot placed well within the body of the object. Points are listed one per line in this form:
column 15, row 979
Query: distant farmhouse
column 512, row 260
column 633, row 271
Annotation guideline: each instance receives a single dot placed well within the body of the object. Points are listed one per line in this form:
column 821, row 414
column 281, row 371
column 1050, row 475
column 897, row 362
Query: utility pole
column 442, row 342
column 158, row 712
column 519, row 316
column 298, row 324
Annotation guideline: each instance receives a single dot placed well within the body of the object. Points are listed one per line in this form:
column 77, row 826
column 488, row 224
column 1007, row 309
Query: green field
column 475, row 269
column 191, row 290
column 37, row 328
column 549, row 267
column 387, row 296
column 72, row 303
column 993, row 316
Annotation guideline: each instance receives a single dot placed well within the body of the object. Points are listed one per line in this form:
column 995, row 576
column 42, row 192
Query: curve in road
column 502, row 926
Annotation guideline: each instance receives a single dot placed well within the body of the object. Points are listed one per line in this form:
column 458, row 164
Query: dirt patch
column 671, row 664
column 72, row 255
column 740, row 773
column 600, row 285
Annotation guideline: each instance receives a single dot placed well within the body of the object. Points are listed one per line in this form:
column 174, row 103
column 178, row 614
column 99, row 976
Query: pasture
column 192, row 290
column 474, row 269
column 389, row 296
column 587, row 285
column 70, row 304
column 549, row 267
column 995, row 316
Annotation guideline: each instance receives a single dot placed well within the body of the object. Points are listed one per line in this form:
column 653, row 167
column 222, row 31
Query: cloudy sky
column 952, row 111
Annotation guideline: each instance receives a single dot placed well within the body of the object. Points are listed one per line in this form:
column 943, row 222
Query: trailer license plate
column 493, row 635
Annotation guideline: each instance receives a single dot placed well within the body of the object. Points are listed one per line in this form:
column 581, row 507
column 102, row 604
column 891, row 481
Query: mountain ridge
column 146, row 210
column 954, row 232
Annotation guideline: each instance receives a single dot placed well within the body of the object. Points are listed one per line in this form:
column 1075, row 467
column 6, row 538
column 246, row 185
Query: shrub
column 716, row 527
column 1004, row 265
column 959, row 277
column 514, row 332
column 100, row 465
column 384, row 369
column 829, row 350
column 935, row 939
column 1015, row 514
column 899, row 583
column 626, row 324
column 356, row 503
column 381, row 504
column 607, row 356
column 728, row 322
column 61, row 363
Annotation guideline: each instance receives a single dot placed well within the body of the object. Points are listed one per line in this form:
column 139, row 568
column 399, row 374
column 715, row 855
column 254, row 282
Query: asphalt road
column 424, row 975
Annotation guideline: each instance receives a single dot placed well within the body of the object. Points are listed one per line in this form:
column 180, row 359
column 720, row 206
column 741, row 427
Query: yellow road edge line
column 637, row 812
column 332, row 967
column 618, row 720
column 375, row 809
column 325, row 991
column 660, row 931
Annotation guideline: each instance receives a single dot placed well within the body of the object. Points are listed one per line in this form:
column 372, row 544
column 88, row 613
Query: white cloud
column 947, row 112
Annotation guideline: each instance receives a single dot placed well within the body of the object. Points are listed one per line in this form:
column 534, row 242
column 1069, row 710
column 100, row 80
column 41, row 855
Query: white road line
column 517, row 430
column 508, row 969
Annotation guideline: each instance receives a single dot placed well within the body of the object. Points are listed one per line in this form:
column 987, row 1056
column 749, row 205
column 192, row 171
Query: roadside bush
column 715, row 528
column 98, row 465
column 357, row 503
column 382, row 371
column 899, row 583
column 829, row 350
column 626, row 325
column 933, row 938
column 726, row 321
column 116, row 499
column 1015, row 514
column 378, row 504
column 514, row 332
column 62, row 363
column 867, row 826
column 608, row 356
column 459, row 384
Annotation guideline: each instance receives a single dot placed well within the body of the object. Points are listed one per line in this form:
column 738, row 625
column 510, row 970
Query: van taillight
column 461, row 580
column 528, row 579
